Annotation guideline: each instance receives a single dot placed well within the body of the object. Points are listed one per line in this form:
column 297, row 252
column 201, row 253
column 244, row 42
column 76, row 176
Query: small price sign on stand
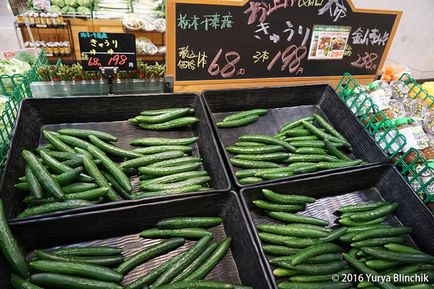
column 107, row 50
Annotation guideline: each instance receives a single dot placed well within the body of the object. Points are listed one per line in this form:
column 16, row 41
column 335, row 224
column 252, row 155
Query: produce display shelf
column 381, row 182
column 411, row 164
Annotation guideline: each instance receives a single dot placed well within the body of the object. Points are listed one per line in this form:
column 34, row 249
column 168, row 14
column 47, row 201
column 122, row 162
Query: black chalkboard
column 100, row 49
column 278, row 38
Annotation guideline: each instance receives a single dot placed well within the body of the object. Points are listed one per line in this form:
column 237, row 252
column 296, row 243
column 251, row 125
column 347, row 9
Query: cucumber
column 149, row 159
column 212, row 261
column 74, row 141
column 238, row 122
column 268, row 140
column 361, row 207
column 280, row 272
column 59, row 167
column 291, row 230
column 116, row 186
column 89, row 195
column 382, row 232
column 296, row 132
column 56, row 142
column 111, row 167
column 279, row 250
column 272, row 238
column 319, row 278
column 152, row 275
column 108, row 261
column 79, row 187
column 82, row 152
column 364, row 228
column 275, row 176
column 34, row 185
column 249, row 144
column 190, row 255
column 255, row 150
column 319, row 133
column 20, row 283
column 177, row 185
column 86, row 133
column 306, row 169
column 174, row 178
column 323, row 258
column 286, row 199
column 374, row 213
column 23, row 186
column 328, row 127
column 70, row 282
column 160, row 111
column 149, row 253
column 260, row 172
column 88, row 251
column 308, row 143
column 310, row 151
column 294, row 218
column 398, row 257
column 60, row 156
column 337, row 165
column 176, row 162
column 249, row 180
column 164, row 148
column 351, row 223
column 73, row 163
column 200, row 284
column 113, row 150
column 188, row 189
column 333, row 150
column 54, row 207
column 77, row 269
column 243, row 114
column 188, row 233
column 381, row 264
column 265, row 157
column 293, row 124
column 300, row 242
column 9, row 247
column 312, row 251
column 277, row 207
column 401, row 248
column 311, row 158
column 93, row 170
column 165, row 171
column 41, row 173
column 377, row 242
column 164, row 117
column 336, row 234
column 316, row 269
column 189, row 222
column 159, row 141
column 247, row 164
column 171, row 124
column 317, row 285
column 301, row 138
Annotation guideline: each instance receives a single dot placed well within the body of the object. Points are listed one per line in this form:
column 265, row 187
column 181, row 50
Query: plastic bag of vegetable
column 26, row 57
column 55, row 9
column 83, row 10
column 85, row 3
column 68, row 10
column 60, row 3
column 71, row 3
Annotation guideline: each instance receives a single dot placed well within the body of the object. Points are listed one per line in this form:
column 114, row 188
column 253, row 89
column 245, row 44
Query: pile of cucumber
column 77, row 169
column 303, row 146
column 306, row 253
column 242, row 118
column 167, row 167
column 100, row 267
column 165, row 119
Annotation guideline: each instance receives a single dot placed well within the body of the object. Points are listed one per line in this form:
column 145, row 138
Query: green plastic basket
column 8, row 117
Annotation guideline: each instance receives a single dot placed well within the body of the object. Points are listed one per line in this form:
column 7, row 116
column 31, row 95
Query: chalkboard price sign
column 100, row 49
column 229, row 40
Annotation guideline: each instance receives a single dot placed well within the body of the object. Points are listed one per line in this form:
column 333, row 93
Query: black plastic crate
column 120, row 227
column 380, row 182
column 286, row 104
column 107, row 114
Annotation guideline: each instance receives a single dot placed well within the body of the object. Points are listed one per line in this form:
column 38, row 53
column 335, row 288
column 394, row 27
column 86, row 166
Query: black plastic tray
column 286, row 104
column 120, row 227
column 355, row 186
column 107, row 114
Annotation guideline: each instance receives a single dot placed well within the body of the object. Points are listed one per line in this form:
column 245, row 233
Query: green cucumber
column 190, row 255
column 317, row 285
column 149, row 159
column 268, row 140
column 89, row 195
column 164, row 148
column 187, row 189
column 312, row 251
column 149, row 253
column 86, row 133
column 113, row 150
column 361, row 207
column 77, row 269
column 280, row 272
column 60, row 156
column 338, row 165
column 401, row 248
column 316, row 269
column 152, row 112
column 82, row 152
column 188, row 233
column 250, row 180
column 243, row 114
column 41, row 173
column 238, row 122
column 293, row 242
column 308, row 143
column 111, row 167
column 165, row 171
column 351, row 223
column 74, row 141
column 328, row 127
column 108, row 261
column 292, row 124
column 374, row 213
column 323, row 258
column 306, row 169
column 378, row 242
column 398, row 257
column 286, row 199
column 291, row 230
column 301, row 138
column 59, row 167
column 159, row 141
column 249, row 144
column 23, row 186
column 88, row 251
column 164, row 117
column 176, row 162
column 53, row 207
column 34, row 185
column 201, row 284
column 277, row 207
column 279, row 250
column 116, row 186
column 333, row 150
column 335, row 234
column 310, row 151
column 73, row 163
column 320, row 278
column 20, row 283
column 260, row 172
column 320, row 134
column 55, row 141
column 272, row 238
column 189, row 222
column 382, row 232
column 9, row 247
column 296, row 132
column 364, row 228
column 381, row 264
column 255, row 150
column 252, row 164
column 93, row 170
column 174, row 178
column 70, row 282
column 265, row 157
column 275, row 176
column 294, row 218
column 212, row 261
column 79, row 187
column 311, row 158
column 171, row 124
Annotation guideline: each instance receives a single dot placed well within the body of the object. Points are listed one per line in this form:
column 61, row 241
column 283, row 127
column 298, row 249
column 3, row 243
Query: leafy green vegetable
column 83, row 10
